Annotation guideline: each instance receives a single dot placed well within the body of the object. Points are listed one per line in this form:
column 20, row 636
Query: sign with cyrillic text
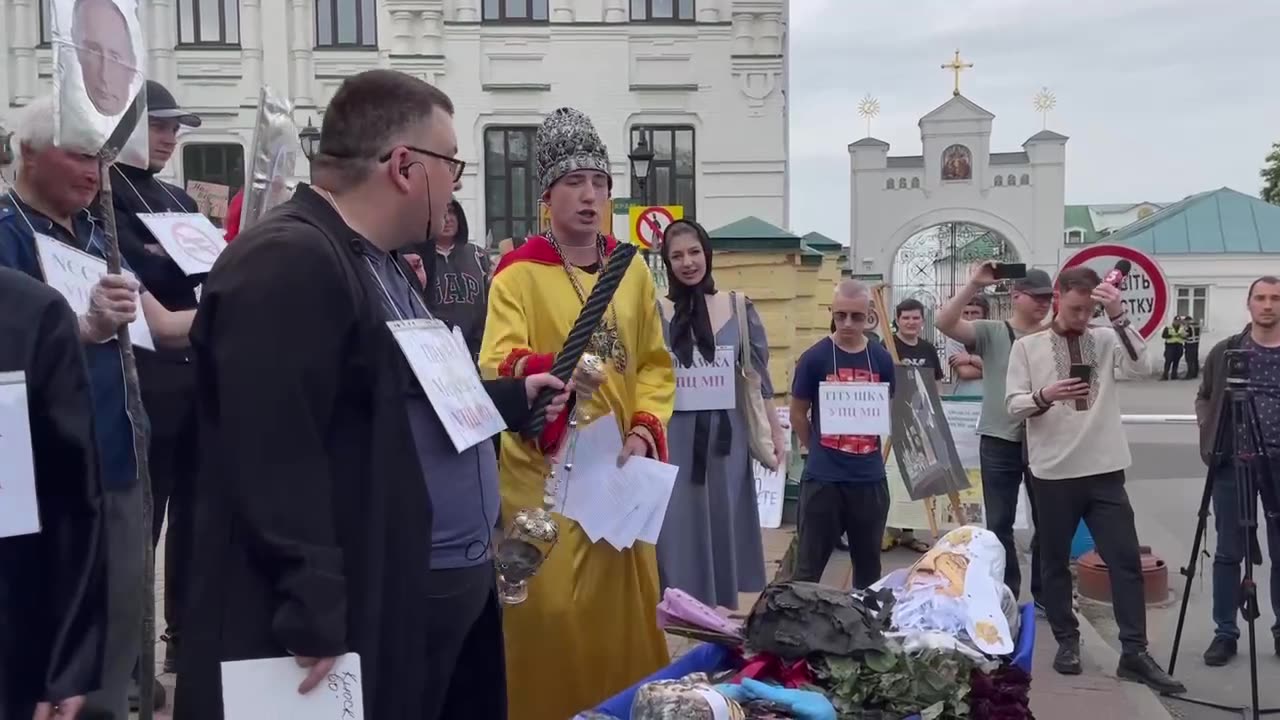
column 1145, row 290
column 74, row 273
column 771, row 485
column 854, row 408
column 706, row 385
column 19, row 514
column 190, row 239
column 447, row 374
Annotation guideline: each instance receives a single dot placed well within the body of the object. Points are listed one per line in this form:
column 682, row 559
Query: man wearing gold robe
column 588, row 629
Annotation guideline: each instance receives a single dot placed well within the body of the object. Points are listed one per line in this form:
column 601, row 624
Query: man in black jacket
column 54, row 593
column 166, row 376
column 1261, row 340
column 321, row 454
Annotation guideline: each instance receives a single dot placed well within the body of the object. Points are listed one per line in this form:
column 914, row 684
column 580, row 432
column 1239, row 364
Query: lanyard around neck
column 386, row 293
column 835, row 364
column 17, row 204
column 145, row 204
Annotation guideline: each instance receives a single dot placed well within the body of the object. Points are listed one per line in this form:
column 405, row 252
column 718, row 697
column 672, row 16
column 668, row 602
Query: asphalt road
column 1165, row 484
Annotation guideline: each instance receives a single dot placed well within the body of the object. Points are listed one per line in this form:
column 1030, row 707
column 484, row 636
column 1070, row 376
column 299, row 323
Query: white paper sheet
column 267, row 689
column 19, row 513
column 74, row 273
column 617, row 505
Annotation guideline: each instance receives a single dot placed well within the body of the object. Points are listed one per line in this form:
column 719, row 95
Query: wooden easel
column 882, row 310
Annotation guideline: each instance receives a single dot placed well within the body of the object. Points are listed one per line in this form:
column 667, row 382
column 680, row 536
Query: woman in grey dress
column 710, row 544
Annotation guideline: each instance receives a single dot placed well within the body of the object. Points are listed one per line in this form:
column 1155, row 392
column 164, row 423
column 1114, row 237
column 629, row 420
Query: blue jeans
column 1004, row 469
column 1229, row 554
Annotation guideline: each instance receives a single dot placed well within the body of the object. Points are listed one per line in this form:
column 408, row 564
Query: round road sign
column 1145, row 290
column 651, row 223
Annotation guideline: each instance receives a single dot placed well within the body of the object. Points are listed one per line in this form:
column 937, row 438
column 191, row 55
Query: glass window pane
column 684, row 152
column 522, row 228
column 324, row 22
column 208, row 27
column 186, row 21
column 638, row 9
column 661, row 142
column 517, row 9
column 491, row 13
column 663, row 9
column 368, row 22
column 661, row 184
column 686, row 9
column 233, row 21
column 539, row 9
column 499, row 230
column 519, row 191
column 346, row 21
column 684, row 193
column 495, row 197
column 518, row 146
column 494, row 153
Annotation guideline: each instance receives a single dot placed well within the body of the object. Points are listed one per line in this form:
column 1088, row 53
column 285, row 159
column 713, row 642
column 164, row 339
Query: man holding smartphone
column 1000, row 437
column 1061, row 382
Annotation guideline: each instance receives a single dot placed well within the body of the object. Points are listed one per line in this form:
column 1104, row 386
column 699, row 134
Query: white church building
column 704, row 83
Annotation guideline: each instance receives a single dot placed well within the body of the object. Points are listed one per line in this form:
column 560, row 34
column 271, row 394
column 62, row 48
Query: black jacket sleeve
column 278, row 324
column 509, row 397
column 70, row 500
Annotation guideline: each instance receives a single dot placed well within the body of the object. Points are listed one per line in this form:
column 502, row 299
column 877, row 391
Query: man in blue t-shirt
column 843, row 489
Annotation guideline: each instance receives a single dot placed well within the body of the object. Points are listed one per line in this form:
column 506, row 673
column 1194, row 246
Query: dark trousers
column 827, row 510
column 1004, row 470
column 1229, row 554
column 1103, row 504
column 1192, row 354
column 173, row 471
column 466, row 663
column 1172, row 355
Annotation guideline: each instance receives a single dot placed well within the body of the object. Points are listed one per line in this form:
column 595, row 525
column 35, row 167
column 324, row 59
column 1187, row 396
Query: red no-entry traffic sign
column 1145, row 290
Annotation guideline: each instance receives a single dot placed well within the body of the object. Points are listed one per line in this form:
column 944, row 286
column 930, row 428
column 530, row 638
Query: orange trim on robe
column 651, row 423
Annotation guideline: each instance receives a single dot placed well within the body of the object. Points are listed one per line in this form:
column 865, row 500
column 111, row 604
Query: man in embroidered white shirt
column 1078, row 454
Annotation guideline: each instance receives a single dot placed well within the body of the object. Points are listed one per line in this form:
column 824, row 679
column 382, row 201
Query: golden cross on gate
column 957, row 67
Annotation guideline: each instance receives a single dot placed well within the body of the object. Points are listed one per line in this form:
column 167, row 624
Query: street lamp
column 641, row 158
column 309, row 136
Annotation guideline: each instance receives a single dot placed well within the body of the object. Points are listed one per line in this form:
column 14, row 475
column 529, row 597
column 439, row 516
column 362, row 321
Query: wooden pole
column 141, row 443
column 930, row 504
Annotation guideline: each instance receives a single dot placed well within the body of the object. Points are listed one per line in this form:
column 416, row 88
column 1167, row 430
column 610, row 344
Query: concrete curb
column 1144, row 700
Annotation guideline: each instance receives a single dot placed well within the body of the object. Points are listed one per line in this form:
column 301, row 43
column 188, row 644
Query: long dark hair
column 691, row 321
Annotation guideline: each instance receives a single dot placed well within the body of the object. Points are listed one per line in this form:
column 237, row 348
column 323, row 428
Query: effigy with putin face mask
column 98, row 76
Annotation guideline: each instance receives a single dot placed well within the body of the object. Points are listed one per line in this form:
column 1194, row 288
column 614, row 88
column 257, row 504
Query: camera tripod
column 1239, row 440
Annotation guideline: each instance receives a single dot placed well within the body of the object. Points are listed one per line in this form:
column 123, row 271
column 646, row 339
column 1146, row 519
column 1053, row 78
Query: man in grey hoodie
column 456, row 276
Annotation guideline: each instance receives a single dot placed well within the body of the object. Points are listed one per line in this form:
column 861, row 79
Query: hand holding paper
column 113, row 302
column 285, row 689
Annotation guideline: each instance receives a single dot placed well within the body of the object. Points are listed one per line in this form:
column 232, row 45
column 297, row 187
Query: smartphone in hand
column 1081, row 372
column 1009, row 271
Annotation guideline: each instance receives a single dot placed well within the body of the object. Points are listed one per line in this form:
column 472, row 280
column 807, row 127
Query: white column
column 26, row 31
column 769, row 41
column 561, row 11
column 743, row 27
column 251, row 49
column 401, row 32
column 466, row 10
column 615, row 11
column 432, row 32
column 303, row 43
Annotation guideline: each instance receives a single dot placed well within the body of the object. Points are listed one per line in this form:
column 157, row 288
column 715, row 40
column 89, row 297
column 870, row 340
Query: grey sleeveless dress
column 710, row 544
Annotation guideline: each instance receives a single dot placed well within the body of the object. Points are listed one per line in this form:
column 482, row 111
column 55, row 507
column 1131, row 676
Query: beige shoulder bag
column 759, row 431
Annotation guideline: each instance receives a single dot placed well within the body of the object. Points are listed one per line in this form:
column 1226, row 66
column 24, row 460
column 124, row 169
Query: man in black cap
column 1000, row 436
column 166, row 376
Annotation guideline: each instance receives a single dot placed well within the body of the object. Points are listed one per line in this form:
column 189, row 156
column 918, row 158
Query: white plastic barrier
column 1158, row 419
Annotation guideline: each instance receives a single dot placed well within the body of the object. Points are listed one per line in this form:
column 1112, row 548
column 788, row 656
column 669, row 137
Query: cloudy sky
column 1161, row 98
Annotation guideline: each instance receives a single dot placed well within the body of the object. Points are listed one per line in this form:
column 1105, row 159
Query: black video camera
column 1239, row 363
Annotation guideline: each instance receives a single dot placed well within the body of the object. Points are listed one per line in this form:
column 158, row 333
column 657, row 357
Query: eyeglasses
column 457, row 165
column 851, row 317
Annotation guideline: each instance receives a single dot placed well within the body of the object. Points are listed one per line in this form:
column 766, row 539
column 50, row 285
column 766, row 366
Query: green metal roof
column 1078, row 216
column 1209, row 223
column 752, row 233
column 822, row 243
